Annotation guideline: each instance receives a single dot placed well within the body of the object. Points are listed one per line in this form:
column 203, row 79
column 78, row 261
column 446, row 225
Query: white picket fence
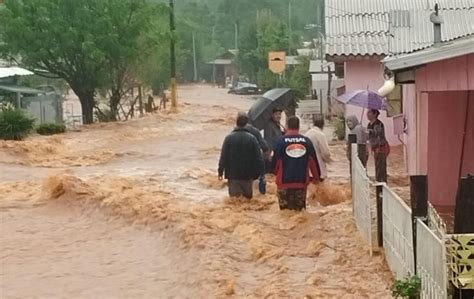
column 397, row 234
column 362, row 201
column 431, row 262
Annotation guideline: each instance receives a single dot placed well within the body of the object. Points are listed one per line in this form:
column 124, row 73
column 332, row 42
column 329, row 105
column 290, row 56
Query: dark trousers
column 238, row 188
column 380, row 166
column 292, row 199
column 363, row 154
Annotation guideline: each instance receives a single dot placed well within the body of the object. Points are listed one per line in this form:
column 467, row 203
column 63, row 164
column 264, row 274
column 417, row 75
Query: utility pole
column 213, row 34
column 329, row 92
column 174, row 103
column 289, row 27
column 194, row 58
column 236, row 36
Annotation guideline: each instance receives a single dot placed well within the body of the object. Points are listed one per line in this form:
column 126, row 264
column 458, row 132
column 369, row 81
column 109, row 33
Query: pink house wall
column 410, row 137
column 443, row 90
column 446, row 120
column 358, row 75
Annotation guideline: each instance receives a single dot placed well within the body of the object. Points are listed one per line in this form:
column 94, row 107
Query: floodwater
column 134, row 210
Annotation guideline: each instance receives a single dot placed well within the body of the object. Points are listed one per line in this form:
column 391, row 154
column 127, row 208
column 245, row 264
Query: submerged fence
column 431, row 262
column 411, row 245
column 363, row 202
column 397, row 234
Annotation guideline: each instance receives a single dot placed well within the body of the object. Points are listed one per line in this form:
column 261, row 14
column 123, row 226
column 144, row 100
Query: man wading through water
column 262, row 183
column 241, row 160
column 296, row 165
column 378, row 144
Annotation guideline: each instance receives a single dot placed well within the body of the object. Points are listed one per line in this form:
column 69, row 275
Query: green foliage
column 340, row 128
column 14, row 124
column 409, row 287
column 90, row 44
column 299, row 78
column 268, row 34
column 50, row 129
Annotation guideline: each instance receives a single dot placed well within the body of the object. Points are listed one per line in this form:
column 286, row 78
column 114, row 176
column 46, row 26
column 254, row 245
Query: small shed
column 224, row 66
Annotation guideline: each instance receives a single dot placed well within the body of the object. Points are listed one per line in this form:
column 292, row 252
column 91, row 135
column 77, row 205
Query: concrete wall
column 360, row 74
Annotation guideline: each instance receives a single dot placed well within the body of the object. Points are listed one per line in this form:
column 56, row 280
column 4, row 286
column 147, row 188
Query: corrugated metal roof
column 20, row 89
column 385, row 27
column 459, row 47
column 6, row 72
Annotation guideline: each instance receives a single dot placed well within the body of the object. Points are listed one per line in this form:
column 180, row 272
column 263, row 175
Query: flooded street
column 135, row 210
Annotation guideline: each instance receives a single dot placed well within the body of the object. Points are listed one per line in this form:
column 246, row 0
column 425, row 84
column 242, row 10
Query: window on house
column 339, row 70
column 395, row 99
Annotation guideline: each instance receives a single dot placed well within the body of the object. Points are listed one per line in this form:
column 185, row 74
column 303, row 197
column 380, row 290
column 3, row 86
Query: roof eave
column 346, row 57
column 450, row 50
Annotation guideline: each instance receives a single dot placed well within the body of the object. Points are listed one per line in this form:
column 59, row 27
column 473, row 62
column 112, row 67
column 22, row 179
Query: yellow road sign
column 277, row 62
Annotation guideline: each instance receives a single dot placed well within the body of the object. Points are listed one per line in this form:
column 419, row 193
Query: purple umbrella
column 364, row 98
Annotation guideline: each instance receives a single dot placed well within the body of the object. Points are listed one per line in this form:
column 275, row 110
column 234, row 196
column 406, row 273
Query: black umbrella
column 261, row 112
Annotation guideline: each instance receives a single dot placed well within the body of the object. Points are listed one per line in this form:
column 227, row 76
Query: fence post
column 419, row 204
column 379, row 203
column 463, row 220
column 352, row 139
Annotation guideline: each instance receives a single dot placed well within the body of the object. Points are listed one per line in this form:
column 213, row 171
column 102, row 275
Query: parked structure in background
column 224, row 66
column 322, row 87
column 42, row 103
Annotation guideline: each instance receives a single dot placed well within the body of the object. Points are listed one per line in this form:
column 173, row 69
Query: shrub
column 104, row 115
column 409, row 287
column 51, row 129
column 340, row 130
column 14, row 124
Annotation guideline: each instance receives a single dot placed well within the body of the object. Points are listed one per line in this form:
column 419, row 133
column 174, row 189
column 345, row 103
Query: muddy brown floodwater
column 134, row 210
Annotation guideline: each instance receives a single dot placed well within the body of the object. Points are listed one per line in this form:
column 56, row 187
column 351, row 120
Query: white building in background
column 320, row 84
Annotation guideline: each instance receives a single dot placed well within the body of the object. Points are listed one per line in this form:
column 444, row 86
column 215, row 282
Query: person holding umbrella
column 378, row 144
column 274, row 130
column 265, row 114
column 373, row 101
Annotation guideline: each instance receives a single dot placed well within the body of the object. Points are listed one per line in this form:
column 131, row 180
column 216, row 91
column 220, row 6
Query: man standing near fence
column 295, row 165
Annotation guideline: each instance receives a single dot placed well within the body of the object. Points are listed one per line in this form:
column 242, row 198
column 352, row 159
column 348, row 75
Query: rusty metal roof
column 388, row 27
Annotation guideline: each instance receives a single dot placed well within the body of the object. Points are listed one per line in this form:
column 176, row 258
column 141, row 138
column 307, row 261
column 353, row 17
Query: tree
column 268, row 34
column 130, row 41
column 299, row 78
column 88, row 43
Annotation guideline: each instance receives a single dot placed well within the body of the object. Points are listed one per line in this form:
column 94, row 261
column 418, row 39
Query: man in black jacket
column 241, row 160
column 262, row 182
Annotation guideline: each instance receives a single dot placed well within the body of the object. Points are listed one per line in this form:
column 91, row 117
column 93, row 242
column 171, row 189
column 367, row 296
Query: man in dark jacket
column 296, row 165
column 241, row 160
column 262, row 183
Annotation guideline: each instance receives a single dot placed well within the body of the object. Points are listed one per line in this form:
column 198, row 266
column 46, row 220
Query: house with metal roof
column 360, row 33
column 438, row 78
column 224, row 66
